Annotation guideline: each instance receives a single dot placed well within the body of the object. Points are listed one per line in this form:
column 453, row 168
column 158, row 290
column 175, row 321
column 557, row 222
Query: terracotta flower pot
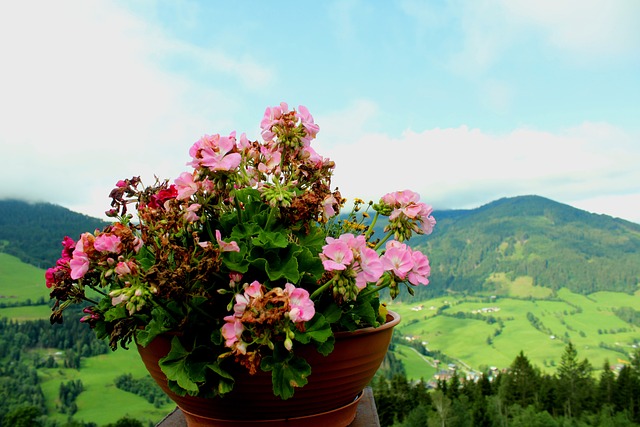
column 329, row 399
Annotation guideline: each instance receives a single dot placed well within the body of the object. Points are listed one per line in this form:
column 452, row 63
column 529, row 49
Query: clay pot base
column 340, row 417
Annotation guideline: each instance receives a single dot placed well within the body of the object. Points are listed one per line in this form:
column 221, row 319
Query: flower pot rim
column 393, row 319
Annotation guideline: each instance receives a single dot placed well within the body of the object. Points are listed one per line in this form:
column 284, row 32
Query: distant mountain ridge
column 553, row 244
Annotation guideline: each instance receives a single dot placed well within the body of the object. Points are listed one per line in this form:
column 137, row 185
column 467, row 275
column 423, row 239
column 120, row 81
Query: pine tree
column 575, row 384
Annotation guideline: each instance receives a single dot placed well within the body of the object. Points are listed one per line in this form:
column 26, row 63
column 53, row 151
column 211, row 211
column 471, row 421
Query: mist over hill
column 553, row 244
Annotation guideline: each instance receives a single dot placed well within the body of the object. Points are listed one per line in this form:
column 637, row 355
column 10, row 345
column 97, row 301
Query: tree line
column 521, row 395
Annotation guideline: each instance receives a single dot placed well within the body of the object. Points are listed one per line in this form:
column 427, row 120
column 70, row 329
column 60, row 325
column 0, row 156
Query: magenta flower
column 108, row 243
column 336, row 255
column 68, row 245
column 302, row 308
column 50, row 276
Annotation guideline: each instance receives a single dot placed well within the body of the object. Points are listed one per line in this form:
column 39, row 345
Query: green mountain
column 32, row 232
column 553, row 244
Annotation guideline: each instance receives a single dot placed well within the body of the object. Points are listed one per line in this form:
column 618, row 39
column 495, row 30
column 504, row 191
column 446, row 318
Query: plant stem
column 322, row 288
column 381, row 242
column 373, row 290
column 373, row 223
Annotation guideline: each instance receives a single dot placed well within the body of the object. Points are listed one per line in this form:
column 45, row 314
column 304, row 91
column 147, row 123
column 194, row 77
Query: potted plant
column 242, row 266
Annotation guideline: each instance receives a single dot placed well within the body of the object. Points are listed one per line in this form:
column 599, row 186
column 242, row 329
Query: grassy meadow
column 587, row 321
column 20, row 281
column 101, row 402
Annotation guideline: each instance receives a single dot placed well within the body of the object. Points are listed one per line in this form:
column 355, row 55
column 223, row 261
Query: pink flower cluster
column 406, row 205
column 349, row 252
column 224, row 163
column 406, row 264
column 256, row 310
column 349, row 256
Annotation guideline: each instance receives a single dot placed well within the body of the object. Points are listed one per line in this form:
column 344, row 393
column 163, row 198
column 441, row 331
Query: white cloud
column 85, row 100
column 462, row 167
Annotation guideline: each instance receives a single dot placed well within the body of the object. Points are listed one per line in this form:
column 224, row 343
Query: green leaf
column 145, row 258
column 116, row 313
column 153, row 328
column 178, row 366
column 226, row 381
column 270, row 240
column 317, row 329
column 286, row 374
column 277, row 266
column 332, row 313
column 326, row 347
column 309, row 264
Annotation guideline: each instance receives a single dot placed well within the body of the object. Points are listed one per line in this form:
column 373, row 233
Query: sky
column 462, row 101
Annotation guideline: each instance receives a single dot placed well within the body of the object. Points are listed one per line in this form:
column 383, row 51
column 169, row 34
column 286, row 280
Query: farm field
column 460, row 327
column 20, row 281
column 101, row 402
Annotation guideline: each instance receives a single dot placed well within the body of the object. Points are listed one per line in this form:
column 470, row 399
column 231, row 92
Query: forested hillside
column 33, row 231
column 554, row 244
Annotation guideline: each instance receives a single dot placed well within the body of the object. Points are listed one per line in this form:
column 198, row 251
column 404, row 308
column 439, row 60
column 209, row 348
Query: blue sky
column 463, row 101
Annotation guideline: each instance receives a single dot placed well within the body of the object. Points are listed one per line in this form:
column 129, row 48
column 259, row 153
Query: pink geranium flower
column 122, row 268
column 419, row 274
column 185, row 185
column 336, row 255
column 226, row 246
column 190, row 214
column 302, row 308
column 108, row 243
column 371, row 268
column 397, row 259
column 232, row 332
column 215, row 153
column 307, row 122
